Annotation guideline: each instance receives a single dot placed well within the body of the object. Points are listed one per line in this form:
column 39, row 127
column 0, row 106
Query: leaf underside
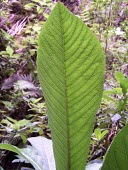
column 117, row 155
column 70, row 67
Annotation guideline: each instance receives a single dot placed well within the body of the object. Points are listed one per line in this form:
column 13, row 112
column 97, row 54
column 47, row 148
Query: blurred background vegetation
column 22, row 107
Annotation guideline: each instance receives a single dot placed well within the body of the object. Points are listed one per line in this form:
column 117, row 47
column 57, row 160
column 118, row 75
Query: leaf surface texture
column 70, row 67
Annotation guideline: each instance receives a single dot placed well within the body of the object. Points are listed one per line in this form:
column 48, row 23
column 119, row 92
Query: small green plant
column 99, row 135
column 17, row 129
column 123, row 81
column 117, row 97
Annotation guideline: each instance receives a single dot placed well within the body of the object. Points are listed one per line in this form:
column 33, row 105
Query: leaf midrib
column 65, row 90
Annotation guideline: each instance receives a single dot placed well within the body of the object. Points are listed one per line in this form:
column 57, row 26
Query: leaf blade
column 69, row 60
column 117, row 155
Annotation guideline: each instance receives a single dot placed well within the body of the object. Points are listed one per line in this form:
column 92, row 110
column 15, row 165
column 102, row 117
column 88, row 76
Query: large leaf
column 117, row 155
column 70, row 67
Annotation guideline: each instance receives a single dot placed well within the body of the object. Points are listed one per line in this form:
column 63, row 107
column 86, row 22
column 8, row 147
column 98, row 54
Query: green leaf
column 23, row 137
column 104, row 133
column 113, row 91
column 123, row 81
column 39, row 9
column 10, row 148
column 119, row 76
column 11, row 120
column 99, row 135
column 45, row 15
column 29, row 6
column 108, row 99
column 36, row 1
column 3, row 53
column 9, row 50
column 117, row 155
column 70, row 67
column 121, row 105
column 124, row 85
column 40, row 154
column 22, row 122
column 16, row 56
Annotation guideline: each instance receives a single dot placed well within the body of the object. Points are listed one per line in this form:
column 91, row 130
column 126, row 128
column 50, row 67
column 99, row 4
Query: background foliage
column 22, row 106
